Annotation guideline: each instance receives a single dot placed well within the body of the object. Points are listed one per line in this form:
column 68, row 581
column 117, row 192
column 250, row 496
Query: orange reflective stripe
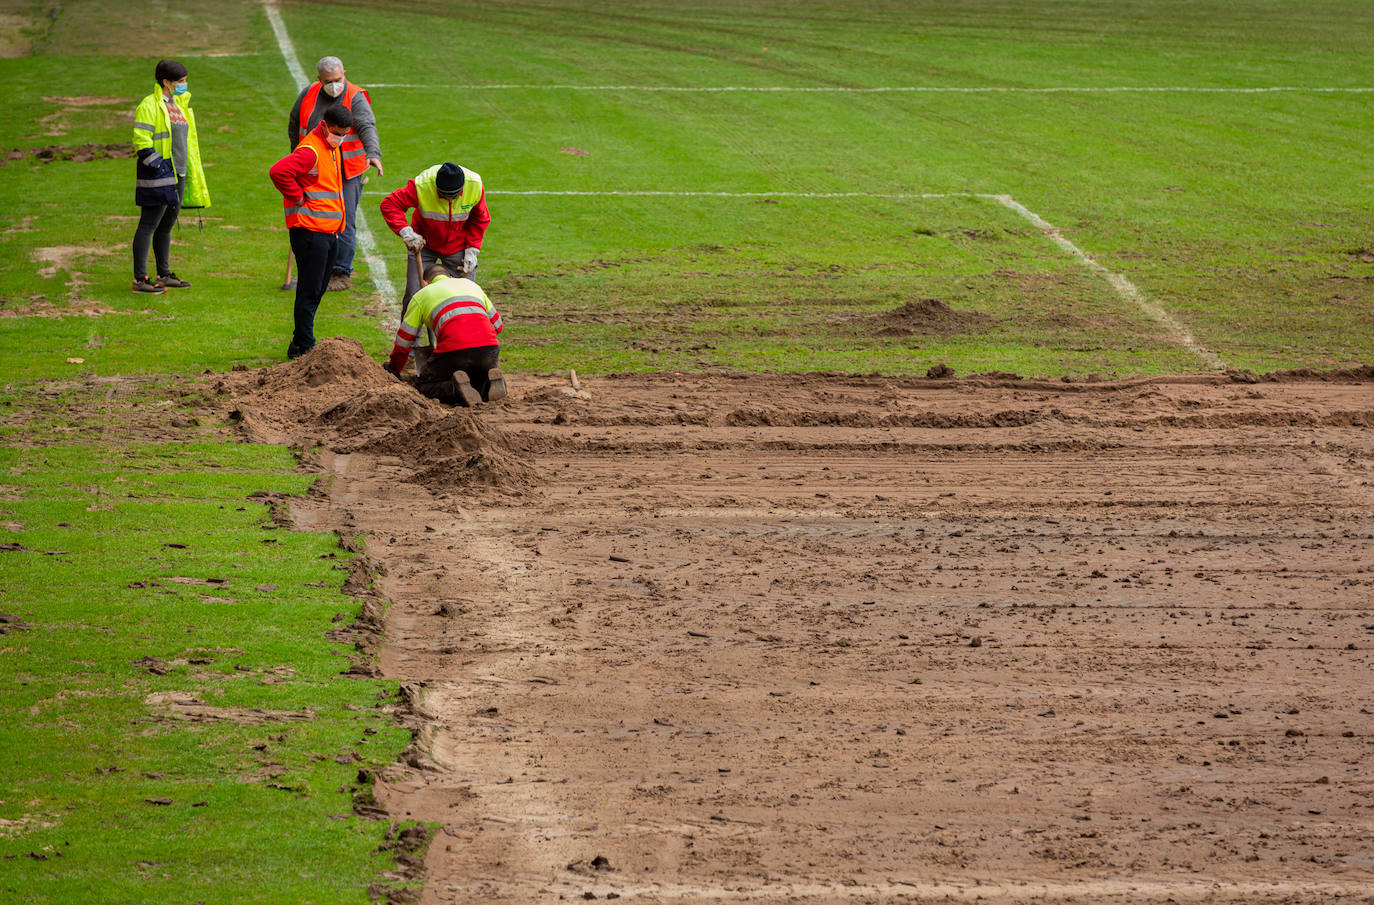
column 308, row 100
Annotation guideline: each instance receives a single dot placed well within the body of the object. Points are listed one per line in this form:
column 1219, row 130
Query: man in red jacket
column 450, row 219
column 465, row 368
column 310, row 180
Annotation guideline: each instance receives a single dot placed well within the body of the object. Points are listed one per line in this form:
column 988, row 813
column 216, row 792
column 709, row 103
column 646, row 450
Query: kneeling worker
column 464, row 369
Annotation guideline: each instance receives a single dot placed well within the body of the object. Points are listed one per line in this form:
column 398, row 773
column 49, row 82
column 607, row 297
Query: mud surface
column 80, row 153
column 827, row 639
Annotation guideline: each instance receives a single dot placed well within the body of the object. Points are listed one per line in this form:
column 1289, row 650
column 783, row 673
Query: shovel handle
column 419, row 268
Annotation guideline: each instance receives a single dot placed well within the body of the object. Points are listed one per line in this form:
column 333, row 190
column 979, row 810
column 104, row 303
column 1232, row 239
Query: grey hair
column 329, row 64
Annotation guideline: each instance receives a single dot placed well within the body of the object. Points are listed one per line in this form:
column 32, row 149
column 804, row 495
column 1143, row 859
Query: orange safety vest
column 354, row 157
column 322, row 205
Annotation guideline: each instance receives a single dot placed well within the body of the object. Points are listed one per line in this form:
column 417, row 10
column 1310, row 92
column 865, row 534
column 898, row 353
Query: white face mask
column 333, row 89
column 334, row 140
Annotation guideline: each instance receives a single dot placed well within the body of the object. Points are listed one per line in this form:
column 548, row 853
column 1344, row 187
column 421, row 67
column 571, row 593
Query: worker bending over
column 465, row 367
column 449, row 222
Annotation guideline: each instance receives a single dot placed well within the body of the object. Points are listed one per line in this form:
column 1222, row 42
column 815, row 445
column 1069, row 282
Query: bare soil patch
column 80, row 153
column 44, row 308
column 819, row 639
column 177, row 705
column 15, row 40
column 52, row 258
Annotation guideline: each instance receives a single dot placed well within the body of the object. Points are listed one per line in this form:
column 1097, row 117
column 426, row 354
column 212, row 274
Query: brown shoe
column 170, row 281
column 466, row 393
column 338, row 282
column 148, row 286
column 496, row 390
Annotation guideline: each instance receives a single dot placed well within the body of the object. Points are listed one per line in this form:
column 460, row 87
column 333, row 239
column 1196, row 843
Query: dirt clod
column 926, row 317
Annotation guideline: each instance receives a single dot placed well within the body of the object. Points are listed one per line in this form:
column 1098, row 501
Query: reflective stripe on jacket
column 155, row 177
column 459, row 225
column 456, row 311
column 321, row 207
column 434, row 208
column 354, row 156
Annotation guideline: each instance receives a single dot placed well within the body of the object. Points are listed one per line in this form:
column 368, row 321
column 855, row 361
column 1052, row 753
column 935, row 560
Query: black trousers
column 314, row 264
column 155, row 229
column 436, row 374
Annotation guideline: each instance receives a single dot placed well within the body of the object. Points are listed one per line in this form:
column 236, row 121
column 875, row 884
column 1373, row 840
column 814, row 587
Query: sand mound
column 453, row 431
column 485, row 468
column 333, row 361
column 1362, row 374
column 925, row 317
column 391, row 407
column 338, row 397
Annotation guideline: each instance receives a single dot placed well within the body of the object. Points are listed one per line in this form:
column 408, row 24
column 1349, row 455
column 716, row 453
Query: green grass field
column 718, row 186
column 1241, row 214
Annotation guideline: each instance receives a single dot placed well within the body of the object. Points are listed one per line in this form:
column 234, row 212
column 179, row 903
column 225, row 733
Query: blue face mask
column 180, row 88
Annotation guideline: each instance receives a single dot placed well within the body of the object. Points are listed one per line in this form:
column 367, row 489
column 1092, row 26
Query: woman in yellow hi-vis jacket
column 168, row 173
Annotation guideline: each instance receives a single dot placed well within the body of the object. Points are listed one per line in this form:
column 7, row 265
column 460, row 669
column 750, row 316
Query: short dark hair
column 338, row 115
column 170, row 70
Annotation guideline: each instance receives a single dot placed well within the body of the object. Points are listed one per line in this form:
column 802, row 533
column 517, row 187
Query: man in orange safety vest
column 311, row 181
column 360, row 148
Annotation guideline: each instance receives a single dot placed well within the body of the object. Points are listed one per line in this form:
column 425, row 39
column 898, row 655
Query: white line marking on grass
column 892, row 89
column 288, row 50
column 1123, row 286
column 376, row 266
column 654, row 193
column 650, row 194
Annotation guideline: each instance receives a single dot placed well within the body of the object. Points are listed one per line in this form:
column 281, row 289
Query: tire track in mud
column 816, row 662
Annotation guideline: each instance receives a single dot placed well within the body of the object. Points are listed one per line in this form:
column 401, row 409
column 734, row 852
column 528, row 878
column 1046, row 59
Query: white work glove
column 413, row 240
column 469, row 260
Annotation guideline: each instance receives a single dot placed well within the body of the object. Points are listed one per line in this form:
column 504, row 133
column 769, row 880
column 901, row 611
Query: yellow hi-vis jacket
column 153, row 148
column 432, row 207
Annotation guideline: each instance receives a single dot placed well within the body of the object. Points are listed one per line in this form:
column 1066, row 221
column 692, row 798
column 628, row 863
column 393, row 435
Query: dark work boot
column 466, row 394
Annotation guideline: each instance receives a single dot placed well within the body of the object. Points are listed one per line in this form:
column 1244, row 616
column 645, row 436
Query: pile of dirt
column 925, row 317
column 339, row 398
column 1362, row 374
column 336, row 362
column 391, row 407
column 488, row 468
column 454, row 431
